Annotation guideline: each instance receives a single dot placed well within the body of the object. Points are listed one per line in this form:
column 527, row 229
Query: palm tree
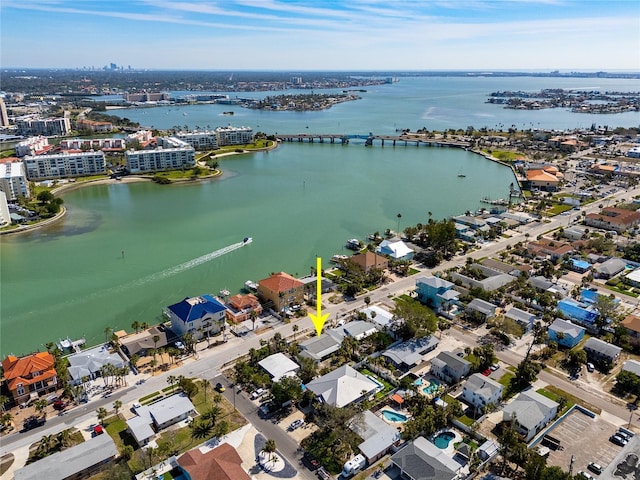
column 107, row 334
column 136, row 326
column 269, row 448
column 117, row 405
column 200, row 430
column 212, row 414
column 102, row 414
column 3, row 401
column 144, row 325
column 399, row 217
column 253, row 316
column 207, row 327
column 295, row 329
column 64, row 438
column 171, row 380
column 40, row 406
column 5, row 420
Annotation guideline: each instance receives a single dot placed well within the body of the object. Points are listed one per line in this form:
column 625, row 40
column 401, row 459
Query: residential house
column 548, row 248
column 320, row 347
column 220, row 463
column 600, row 350
column 240, row 308
column 29, row 376
column 565, row 333
column 311, row 285
column 378, row 315
column 541, row 283
column 200, row 316
column 491, row 279
column 408, row 354
column 472, row 222
column 578, row 265
column 343, row 386
column 580, row 312
column 422, row 460
column 481, row 310
column 521, row 317
column 158, row 416
column 631, row 324
column 609, row 268
column 359, row 329
column 480, row 391
column 436, row 292
column 397, row 250
column 141, row 343
column 613, row 218
column 633, row 278
column 88, row 363
column 530, row 412
column 80, row 461
column 278, row 366
column 140, row 429
column 281, row 290
column 632, row 366
column 449, row 367
column 369, row 260
column 378, row 436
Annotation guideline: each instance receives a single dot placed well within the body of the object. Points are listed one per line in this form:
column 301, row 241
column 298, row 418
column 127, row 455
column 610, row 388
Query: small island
column 300, row 102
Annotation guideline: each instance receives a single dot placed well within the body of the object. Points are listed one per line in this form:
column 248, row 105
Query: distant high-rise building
column 296, row 80
column 45, row 126
column 4, row 118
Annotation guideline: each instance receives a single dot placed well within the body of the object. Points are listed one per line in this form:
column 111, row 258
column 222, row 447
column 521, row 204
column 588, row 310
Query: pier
column 369, row 140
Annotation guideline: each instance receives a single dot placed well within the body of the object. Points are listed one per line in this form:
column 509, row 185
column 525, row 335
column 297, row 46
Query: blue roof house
column 201, row 316
column 577, row 265
column 580, row 312
column 565, row 333
column 436, row 292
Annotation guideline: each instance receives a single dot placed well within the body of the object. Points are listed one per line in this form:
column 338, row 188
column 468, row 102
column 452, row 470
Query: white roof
column 341, row 386
column 382, row 318
column 92, row 361
column 140, row 428
column 398, row 249
column 635, row 275
column 377, row 434
column 279, row 365
column 632, row 366
column 170, row 408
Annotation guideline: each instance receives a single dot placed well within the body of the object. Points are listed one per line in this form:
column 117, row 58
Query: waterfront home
column 80, row 461
column 565, row 333
column 369, row 260
column 30, row 376
column 480, row 310
column 521, row 317
column 422, row 460
column 200, row 316
column 239, row 308
column 408, row 354
column 143, row 342
column 88, row 363
column 221, row 463
column 281, row 290
column 531, row 412
column 631, row 324
column 320, row 347
column 613, row 218
column 378, row 436
column 436, row 292
column 473, row 222
column 278, row 366
column 600, row 350
column 449, row 367
column 311, row 285
column 480, row 391
column 343, row 386
column 609, row 268
column 397, row 250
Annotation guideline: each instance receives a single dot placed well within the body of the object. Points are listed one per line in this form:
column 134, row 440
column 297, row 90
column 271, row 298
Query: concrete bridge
column 370, row 140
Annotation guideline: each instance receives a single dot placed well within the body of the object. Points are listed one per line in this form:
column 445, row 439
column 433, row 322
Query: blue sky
column 322, row 34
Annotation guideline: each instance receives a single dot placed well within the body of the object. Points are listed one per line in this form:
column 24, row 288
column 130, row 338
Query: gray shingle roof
column 530, row 408
column 482, row 306
column 410, row 352
column 566, row 327
column 602, row 347
column 422, row 460
column 632, row 366
column 342, row 386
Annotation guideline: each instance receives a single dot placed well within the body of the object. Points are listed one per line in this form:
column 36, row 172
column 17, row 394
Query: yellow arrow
column 319, row 318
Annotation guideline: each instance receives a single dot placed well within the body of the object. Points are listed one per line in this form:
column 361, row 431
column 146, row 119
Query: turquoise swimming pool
column 392, row 416
column 418, row 382
column 431, row 388
column 443, row 439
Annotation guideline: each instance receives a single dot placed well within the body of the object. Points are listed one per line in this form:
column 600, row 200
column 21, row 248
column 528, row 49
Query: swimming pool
column 392, row 416
column 431, row 388
column 443, row 439
column 418, row 382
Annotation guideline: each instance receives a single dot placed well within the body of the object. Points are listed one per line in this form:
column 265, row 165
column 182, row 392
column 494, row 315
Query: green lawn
column 622, row 291
column 505, row 155
column 551, row 390
column 558, row 209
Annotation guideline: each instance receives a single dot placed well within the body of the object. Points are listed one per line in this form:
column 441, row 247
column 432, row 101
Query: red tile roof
column 221, row 463
column 18, row 370
column 280, row 282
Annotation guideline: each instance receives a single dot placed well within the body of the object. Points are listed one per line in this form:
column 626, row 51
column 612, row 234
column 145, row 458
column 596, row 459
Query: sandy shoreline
column 69, row 187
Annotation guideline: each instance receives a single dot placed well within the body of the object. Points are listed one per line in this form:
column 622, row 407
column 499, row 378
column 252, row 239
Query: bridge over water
column 370, row 139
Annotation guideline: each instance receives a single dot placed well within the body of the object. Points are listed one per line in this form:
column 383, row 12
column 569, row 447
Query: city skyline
column 323, row 35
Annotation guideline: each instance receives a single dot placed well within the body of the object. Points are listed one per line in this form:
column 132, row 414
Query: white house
column 342, row 386
column 200, row 316
column 531, row 412
column 480, row 391
column 396, row 250
column 278, row 366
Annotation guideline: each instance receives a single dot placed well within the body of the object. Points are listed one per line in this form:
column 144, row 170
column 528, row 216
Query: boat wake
column 169, row 272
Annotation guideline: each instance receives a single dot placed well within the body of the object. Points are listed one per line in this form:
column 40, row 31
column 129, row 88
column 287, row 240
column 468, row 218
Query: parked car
column 33, row 422
column 494, row 367
column 618, row 440
column 590, row 367
column 258, row 393
column 219, row 387
column 624, row 434
column 585, row 475
column 595, row 468
column 486, row 372
column 310, row 461
column 323, row 474
column 295, row 424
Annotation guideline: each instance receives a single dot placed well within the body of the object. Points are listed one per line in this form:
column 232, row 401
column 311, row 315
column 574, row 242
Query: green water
column 296, row 202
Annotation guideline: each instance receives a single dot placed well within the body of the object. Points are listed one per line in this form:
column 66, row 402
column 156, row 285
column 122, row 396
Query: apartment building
column 13, row 181
column 200, row 140
column 43, row 167
column 32, row 146
column 234, row 135
column 44, row 126
column 163, row 157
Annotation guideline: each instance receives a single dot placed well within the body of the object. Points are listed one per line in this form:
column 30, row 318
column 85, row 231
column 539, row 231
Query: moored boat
column 250, row 286
column 338, row 258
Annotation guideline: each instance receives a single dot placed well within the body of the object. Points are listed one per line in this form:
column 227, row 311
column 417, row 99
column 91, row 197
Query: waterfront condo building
column 171, row 154
column 29, row 377
column 282, row 290
column 93, row 144
column 33, row 146
column 5, row 215
column 13, row 181
column 44, row 126
column 234, row 135
column 77, row 164
column 200, row 140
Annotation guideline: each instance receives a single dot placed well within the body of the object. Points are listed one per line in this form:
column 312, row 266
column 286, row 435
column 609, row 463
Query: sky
column 349, row 35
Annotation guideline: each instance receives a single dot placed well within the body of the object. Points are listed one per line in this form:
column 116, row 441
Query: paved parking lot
column 586, row 438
